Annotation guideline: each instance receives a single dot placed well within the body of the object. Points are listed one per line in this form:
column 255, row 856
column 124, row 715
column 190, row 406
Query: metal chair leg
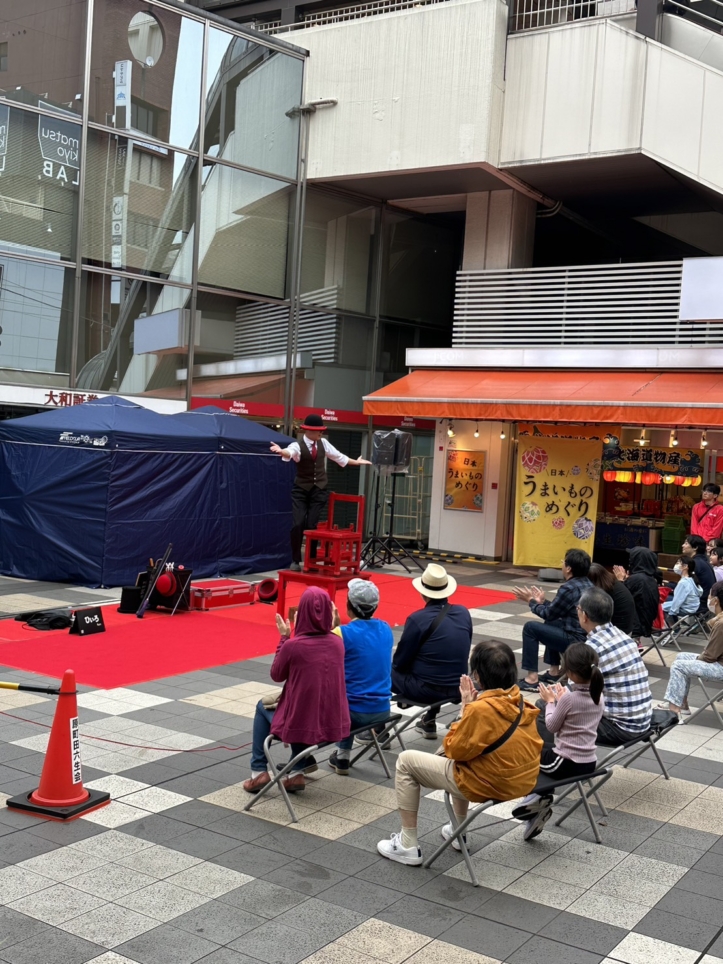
column 590, row 817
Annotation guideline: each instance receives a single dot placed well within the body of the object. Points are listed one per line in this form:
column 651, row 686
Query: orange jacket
column 506, row 773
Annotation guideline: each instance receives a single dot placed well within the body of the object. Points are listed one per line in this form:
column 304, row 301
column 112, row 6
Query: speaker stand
column 382, row 551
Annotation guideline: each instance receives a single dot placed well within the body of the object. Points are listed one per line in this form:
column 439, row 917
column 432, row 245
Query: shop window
column 146, row 168
column 3, row 56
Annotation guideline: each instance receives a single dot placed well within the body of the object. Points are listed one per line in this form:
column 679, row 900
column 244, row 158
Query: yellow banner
column 465, row 485
column 556, row 499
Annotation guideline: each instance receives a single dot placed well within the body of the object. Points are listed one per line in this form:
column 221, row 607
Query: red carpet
column 138, row 650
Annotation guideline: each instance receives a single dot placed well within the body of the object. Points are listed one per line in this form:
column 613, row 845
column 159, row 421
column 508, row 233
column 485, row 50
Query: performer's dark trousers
column 306, row 508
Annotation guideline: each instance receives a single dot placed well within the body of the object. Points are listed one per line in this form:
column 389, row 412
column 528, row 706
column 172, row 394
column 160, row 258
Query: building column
column 499, row 231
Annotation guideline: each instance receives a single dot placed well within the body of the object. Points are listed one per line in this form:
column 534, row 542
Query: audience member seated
column 623, row 602
column 433, row 651
column 572, row 715
column 643, row 580
column 715, row 557
column 707, row 666
column 560, row 626
column 312, row 707
column 695, row 547
column 686, row 599
column 628, row 703
column 368, row 645
column 492, row 753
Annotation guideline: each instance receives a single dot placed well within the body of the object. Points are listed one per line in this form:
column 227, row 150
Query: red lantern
column 679, row 480
column 609, row 476
column 651, row 478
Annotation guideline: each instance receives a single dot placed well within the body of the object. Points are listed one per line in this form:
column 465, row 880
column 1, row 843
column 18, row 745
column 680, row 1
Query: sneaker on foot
column 428, row 730
column 392, row 849
column 447, row 832
column 295, row 567
column 529, row 808
column 535, row 827
column 340, row 765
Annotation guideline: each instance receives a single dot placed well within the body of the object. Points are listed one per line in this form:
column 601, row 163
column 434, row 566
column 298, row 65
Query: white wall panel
column 710, row 167
column 673, row 108
column 416, row 89
column 569, row 91
column 619, row 86
column 524, row 114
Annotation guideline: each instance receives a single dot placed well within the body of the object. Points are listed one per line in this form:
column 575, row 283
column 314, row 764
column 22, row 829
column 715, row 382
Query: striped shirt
column 628, row 701
column 574, row 719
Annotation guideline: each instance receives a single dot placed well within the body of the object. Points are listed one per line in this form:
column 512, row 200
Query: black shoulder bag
column 508, row 732
column 434, row 625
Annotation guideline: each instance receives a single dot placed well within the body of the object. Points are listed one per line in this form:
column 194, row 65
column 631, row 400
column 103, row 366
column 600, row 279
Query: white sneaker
column 393, row 850
column 535, row 826
column 447, row 832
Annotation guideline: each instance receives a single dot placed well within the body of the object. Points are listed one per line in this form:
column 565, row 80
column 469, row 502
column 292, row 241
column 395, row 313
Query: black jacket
column 623, row 608
column 442, row 658
column 643, row 582
column 706, row 578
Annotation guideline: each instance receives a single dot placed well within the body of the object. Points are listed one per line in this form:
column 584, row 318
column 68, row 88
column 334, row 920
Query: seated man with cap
column 433, row 651
column 368, row 645
column 309, row 494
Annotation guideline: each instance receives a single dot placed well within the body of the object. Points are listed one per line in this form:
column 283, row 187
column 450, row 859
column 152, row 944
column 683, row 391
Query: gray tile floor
column 173, row 871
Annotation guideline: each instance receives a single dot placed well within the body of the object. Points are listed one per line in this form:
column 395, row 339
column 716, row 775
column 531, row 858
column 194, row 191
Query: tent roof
column 106, row 424
column 235, row 433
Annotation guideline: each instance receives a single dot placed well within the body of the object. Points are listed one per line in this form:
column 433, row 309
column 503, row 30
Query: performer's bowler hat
column 314, row 423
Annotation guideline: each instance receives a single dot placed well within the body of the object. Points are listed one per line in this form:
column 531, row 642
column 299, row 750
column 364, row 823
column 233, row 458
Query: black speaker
column 392, row 449
column 87, row 622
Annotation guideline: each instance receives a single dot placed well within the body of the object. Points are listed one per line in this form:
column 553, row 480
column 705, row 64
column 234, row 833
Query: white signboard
column 122, row 100
column 117, row 231
column 59, row 141
column 701, row 293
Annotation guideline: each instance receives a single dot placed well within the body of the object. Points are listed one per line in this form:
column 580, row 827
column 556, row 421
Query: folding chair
column 459, row 828
column 623, row 754
column 279, row 774
column 407, row 721
column 710, row 702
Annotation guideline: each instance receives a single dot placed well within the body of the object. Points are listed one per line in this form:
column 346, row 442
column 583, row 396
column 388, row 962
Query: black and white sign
column 87, row 622
column 59, row 141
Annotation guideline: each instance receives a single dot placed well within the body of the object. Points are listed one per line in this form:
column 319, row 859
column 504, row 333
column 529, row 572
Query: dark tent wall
column 88, row 494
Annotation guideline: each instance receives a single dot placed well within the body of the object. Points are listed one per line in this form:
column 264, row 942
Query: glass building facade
column 154, row 219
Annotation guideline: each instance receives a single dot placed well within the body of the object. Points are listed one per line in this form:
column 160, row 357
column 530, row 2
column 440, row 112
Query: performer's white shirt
column 331, row 453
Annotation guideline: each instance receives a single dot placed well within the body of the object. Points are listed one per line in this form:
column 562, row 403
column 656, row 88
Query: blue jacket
column 444, row 657
column 368, row 647
column 686, row 598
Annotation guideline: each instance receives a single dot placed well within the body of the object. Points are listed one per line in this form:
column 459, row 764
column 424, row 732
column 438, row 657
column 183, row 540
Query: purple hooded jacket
column 313, row 707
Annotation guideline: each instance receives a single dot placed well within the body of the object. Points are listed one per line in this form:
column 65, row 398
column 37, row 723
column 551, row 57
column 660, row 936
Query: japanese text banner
column 556, row 499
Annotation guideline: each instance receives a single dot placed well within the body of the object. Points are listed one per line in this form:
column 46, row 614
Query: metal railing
column 533, row 14
column 359, row 10
column 608, row 304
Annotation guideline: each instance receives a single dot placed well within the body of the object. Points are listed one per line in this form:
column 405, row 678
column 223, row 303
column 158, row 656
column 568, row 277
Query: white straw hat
column 435, row 583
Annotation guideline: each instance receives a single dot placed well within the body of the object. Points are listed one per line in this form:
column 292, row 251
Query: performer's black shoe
column 295, row 567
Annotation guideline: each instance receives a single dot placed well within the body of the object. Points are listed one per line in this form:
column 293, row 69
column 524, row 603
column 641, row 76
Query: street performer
column 309, row 495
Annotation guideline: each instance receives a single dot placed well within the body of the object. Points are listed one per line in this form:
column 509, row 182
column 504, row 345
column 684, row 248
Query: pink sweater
column 574, row 720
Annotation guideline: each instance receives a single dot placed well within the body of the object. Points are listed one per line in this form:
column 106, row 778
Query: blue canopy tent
column 88, row 493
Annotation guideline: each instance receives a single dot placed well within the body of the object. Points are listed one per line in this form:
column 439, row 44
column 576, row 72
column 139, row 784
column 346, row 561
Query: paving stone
column 589, row 935
column 251, row 859
column 16, row 927
column 517, row 912
column 56, row 904
column 456, row 894
column 52, row 945
column 360, row 895
column 263, row 898
column 671, row 853
column 306, row 877
column 711, row 863
column 276, row 944
column 698, row 882
column 342, row 857
column 697, row 907
column 676, row 929
column 203, row 843
column 198, row 814
column 539, row 950
column 420, row 916
column 109, row 925
column 499, row 941
column 383, row 941
column 162, row 900
column 316, row 917
column 167, row 945
column 641, row 949
column 214, row 922
column 24, row 845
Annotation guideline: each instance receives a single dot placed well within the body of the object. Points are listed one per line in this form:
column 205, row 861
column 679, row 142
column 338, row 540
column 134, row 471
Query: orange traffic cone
column 61, row 794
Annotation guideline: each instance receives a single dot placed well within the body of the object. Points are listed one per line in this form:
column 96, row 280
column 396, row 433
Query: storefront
column 598, row 460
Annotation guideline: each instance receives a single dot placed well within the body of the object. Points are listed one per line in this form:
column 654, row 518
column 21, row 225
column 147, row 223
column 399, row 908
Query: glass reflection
column 41, row 53
column 133, row 336
column 36, row 302
column 244, row 231
column 339, row 252
column 146, row 71
column 250, row 90
column 39, row 161
column 140, row 207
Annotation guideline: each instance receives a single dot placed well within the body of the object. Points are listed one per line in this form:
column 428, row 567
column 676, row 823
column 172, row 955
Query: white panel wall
column 420, row 88
column 479, row 533
column 595, row 88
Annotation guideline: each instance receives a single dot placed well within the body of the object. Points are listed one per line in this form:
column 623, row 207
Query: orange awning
column 671, row 399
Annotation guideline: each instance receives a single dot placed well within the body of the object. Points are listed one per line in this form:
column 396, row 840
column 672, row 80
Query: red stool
column 338, row 551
